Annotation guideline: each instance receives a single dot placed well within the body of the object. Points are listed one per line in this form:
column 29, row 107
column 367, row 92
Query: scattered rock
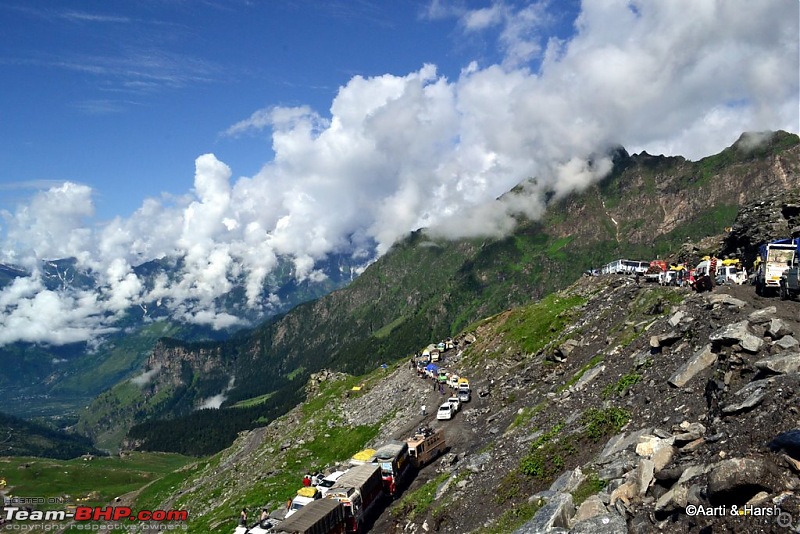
column 702, row 360
column 777, row 329
column 785, row 362
column 591, row 507
column 556, row 513
column 716, row 300
column 764, row 315
column 786, row 343
column 607, row 523
column 568, row 481
column 753, row 394
column 588, row 376
column 676, row 318
column 677, row 496
column 738, row 333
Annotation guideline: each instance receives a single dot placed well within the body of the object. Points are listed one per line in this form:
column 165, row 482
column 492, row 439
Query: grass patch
column 549, row 460
column 511, row 519
column 622, row 385
column 601, row 423
column 532, row 327
column 418, row 502
column 547, row 457
column 101, row 479
column 386, row 330
column 247, row 403
column 577, row 376
column 525, row 415
column 297, row 372
column 592, row 485
column 335, row 444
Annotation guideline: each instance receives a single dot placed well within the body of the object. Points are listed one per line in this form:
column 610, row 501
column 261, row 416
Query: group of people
column 243, row 516
column 312, row 480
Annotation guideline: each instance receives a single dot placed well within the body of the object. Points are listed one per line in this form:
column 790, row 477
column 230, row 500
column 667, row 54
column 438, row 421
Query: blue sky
column 234, row 133
column 123, row 96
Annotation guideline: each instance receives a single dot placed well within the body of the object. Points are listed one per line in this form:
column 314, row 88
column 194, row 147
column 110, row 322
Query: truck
column 656, row 270
column 359, row 489
column 425, row 446
column 324, row 516
column 773, row 259
column 790, row 278
column 395, row 466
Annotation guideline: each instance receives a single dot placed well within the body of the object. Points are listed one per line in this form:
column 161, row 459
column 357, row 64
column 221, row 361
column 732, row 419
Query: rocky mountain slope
column 607, row 407
column 427, row 289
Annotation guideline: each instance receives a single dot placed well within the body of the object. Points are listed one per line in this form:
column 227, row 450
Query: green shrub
column 601, row 423
column 592, row 485
column 622, row 385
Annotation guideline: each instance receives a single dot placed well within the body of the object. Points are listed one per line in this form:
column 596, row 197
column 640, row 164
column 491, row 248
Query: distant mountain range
column 26, row 438
column 54, row 381
column 425, row 289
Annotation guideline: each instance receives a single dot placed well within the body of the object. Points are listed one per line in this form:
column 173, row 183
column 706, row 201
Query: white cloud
column 215, row 401
column 145, row 378
column 401, row 151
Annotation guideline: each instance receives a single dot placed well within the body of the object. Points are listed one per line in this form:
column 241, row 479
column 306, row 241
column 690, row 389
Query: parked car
column 464, row 395
column 444, row 412
column 326, row 483
column 454, row 402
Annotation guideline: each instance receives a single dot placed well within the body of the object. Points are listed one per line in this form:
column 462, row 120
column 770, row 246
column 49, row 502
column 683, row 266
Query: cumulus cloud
column 145, row 378
column 401, row 151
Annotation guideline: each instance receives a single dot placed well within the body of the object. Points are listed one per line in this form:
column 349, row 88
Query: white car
column 326, row 483
column 445, row 411
column 454, row 402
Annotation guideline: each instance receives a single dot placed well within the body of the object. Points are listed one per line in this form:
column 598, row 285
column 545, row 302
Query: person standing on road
column 424, row 412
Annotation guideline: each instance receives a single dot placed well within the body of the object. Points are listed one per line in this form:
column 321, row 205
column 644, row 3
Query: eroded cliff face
column 773, row 216
column 647, row 197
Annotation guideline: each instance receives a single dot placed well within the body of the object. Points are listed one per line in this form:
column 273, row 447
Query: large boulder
column 785, row 362
column 607, row 523
column 702, row 360
column 738, row 333
column 764, row 315
column 555, row 514
column 737, row 480
column 778, row 328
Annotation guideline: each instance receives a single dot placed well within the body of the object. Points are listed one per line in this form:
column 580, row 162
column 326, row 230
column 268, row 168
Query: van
column 304, row 496
column 732, row 274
